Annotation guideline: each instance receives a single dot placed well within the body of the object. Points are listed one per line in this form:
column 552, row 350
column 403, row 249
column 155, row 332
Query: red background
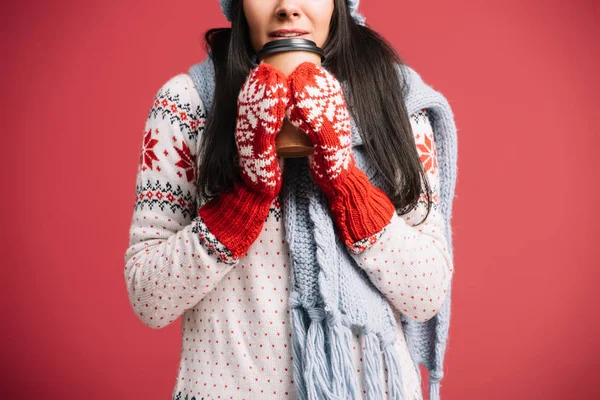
column 78, row 79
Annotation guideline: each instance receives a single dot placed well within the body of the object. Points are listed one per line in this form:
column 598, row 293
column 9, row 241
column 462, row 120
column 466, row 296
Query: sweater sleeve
column 410, row 263
column 172, row 260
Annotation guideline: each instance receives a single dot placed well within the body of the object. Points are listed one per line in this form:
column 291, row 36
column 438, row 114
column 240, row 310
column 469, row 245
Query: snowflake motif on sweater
column 234, row 312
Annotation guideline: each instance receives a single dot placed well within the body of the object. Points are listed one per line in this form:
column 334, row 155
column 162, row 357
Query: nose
column 288, row 10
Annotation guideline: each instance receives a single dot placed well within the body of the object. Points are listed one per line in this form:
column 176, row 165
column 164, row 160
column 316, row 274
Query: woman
column 208, row 243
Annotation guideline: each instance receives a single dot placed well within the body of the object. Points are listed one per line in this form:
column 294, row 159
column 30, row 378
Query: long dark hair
column 355, row 54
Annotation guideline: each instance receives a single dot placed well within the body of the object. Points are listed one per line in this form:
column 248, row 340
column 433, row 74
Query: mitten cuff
column 236, row 218
column 360, row 209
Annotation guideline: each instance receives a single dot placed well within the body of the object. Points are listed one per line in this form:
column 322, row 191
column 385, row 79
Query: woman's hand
column 317, row 107
column 261, row 106
column 235, row 219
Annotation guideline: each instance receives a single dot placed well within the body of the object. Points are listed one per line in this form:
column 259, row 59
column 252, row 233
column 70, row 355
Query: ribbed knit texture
column 329, row 294
column 236, row 218
column 360, row 209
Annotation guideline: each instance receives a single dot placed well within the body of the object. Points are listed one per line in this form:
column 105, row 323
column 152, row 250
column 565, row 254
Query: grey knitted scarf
column 331, row 296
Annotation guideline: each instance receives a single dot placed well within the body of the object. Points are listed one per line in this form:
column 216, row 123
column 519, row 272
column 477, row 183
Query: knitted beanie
column 352, row 5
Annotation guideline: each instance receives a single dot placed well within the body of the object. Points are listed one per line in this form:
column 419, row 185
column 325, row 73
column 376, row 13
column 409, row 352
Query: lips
column 285, row 37
column 300, row 32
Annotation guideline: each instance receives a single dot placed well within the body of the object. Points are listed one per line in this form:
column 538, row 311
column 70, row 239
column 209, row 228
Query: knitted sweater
column 236, row 341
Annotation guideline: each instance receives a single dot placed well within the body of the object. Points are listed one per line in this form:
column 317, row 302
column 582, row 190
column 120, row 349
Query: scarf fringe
column 298, row 341
column 373, row 366
column 342, row 363
column 394, row 375
column 317, row 374
column 336, row 378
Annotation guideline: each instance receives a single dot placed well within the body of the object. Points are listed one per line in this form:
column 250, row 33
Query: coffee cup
column 286, row 54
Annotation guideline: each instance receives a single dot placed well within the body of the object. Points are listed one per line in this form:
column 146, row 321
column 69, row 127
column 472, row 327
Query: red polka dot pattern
column 236, row 338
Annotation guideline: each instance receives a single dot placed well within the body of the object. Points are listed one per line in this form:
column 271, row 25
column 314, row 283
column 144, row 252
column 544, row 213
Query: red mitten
column 236, row 218
column 317, row 107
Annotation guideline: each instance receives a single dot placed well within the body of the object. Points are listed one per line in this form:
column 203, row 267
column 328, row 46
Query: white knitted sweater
column 236, row 341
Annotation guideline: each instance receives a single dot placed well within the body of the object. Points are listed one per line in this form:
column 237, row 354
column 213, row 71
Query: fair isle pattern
column 318, row 102
column 155, row 193
column 212, row 244
column 168, row 105
column 363, row 244
column 236, row 339
column 168, row 109
column 168, row 267
column 261, row 107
